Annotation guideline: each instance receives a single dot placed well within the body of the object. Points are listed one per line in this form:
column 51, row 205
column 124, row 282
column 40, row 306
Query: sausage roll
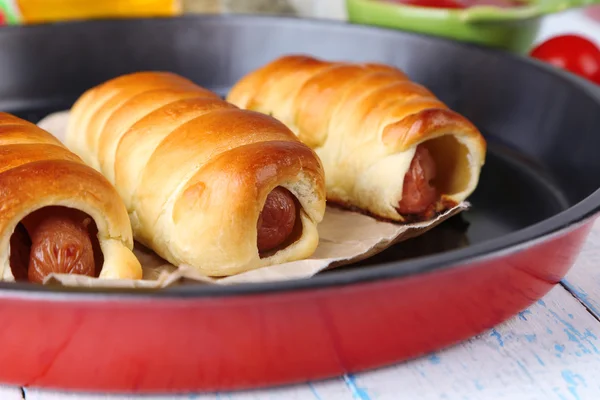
column 388, row 146
column 205, row 183
column 58, row 214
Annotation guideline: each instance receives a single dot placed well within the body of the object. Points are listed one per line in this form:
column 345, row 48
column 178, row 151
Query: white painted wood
column 551, row 351
column 335, row 390
column 583, row 281
column 10, row 393
column 36, row 394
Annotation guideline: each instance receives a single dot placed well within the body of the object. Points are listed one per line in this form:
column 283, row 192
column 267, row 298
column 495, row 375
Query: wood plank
column 10, row 393
column 583, row 281
column 50, row 395
column 334, row 390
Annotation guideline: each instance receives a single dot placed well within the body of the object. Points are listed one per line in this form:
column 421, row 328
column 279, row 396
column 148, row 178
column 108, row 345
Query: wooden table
column 550, row 351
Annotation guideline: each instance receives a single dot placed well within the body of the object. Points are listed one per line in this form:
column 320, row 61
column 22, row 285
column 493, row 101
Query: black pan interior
column 541, row 126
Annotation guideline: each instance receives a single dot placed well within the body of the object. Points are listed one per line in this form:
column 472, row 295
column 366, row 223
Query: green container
column 512, row 29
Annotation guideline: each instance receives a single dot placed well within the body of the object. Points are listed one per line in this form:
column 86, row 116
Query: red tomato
column 573, row 53
column 2, row 18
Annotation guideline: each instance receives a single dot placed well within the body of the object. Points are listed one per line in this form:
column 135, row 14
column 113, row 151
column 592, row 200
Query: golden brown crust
column 130, row 112
column 13, row 133
column 418, row 126
column 159, row 140
column 99, row 104
column 37, row 171
column 14, row 155
column 136, row 145
column 274, row 72
column 365, row 122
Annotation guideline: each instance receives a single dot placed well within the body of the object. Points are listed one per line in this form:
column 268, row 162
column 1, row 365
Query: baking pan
column 533, row 209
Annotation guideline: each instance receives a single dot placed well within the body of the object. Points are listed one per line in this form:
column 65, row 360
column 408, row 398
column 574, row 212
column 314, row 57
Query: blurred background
column 565, row 33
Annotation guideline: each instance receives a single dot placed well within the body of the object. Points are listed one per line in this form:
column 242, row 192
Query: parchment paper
column 345, row 237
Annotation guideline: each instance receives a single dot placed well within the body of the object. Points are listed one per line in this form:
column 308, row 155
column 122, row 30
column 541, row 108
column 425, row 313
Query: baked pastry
column 205, row 183
column 58, row 215
column 389, row 147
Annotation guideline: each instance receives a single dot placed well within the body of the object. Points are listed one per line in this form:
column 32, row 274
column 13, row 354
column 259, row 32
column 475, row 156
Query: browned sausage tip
column 277, row 220
column 418, row 194
column 60, row 243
